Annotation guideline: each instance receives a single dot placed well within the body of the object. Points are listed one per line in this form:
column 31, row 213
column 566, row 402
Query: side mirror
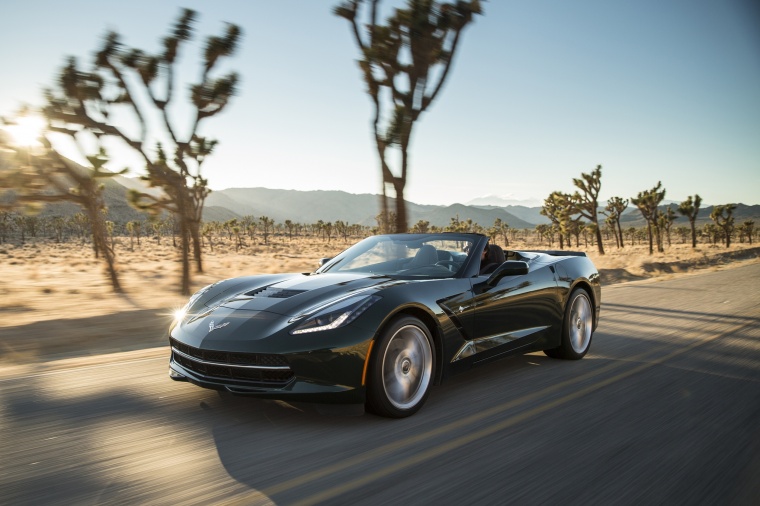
column 323, row 261
column 508, row 268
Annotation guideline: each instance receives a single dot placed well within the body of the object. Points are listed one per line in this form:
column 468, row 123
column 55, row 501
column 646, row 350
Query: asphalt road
column 664, row 410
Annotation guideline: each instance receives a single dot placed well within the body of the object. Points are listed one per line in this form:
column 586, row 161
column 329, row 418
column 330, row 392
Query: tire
column 577, row 328
column 401, row 369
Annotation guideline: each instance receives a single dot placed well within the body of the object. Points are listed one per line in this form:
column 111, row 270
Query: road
column 664, row 410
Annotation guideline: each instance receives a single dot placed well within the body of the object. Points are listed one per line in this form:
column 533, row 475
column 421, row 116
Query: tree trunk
column 194, row 227
column 693, row 234
column 184, row 239
column 401, row 226
column 599, row 245
column 619, row 233
column 184, row 234
column 100, row 243
column 383, row 212
column 658, row 234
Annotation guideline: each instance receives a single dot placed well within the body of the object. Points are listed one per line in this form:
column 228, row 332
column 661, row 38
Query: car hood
column 296, row 294
column 238, row 311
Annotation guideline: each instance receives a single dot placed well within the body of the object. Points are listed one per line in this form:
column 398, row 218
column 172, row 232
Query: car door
column 520, row 311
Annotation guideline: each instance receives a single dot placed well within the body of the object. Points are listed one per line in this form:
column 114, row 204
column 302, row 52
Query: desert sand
column 56, row 302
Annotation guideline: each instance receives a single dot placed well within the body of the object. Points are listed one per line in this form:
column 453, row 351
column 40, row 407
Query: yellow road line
column 487, row 431
column 452, row 426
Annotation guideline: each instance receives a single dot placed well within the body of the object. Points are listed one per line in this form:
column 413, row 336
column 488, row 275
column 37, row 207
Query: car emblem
column 212, row 327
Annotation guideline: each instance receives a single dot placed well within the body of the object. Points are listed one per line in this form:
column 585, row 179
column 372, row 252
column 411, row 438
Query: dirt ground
column 55, row 301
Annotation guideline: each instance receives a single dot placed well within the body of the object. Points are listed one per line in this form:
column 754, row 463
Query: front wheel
column 577, row 328
column 401, row 369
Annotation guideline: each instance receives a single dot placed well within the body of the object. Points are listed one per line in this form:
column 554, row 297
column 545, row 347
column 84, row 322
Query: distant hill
column 497, row 201
column 633, row 218
column 530, row 215
column 115, row 196
column 333, row 205
column 441, row 216
column 299, row 206
column 308, row 206
column 311, row 206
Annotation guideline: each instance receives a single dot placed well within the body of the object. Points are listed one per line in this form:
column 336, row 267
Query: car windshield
column 431, row 256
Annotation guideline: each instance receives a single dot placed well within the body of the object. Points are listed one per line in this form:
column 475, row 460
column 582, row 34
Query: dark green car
column 383, row 321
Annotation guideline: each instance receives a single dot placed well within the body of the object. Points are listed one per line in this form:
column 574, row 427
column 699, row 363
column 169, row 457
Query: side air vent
column 273, row 293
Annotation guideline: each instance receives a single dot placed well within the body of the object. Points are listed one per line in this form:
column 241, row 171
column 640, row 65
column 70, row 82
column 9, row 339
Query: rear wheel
column 401, row 369
column 577, row 328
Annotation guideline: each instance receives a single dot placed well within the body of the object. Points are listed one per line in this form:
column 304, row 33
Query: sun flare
column 26, row 131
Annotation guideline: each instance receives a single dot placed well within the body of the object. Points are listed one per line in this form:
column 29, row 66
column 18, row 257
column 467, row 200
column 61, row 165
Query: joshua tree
column 229, row 225
column 421, row 227
column 291, row 227
column 647, row 202
column 6, row 225
column 130, row 82
column 747, row 229
column 110, row 227
column 615, row 208
column 574, row 228
column 558, row 208
column 502, row 229
column 59, row 225
column 35, row 177
column 404, row 64
column 328, row 230
column 341, row 229
column 683, row 233
column 267, row 225
column 711, row 231
column 542, row 230
column 81, row 224
column 238, row 237
column 723, row 216
column 587, row 203
column 248, row 225
column 690, row 209
column 665, row 221
column 131, row 230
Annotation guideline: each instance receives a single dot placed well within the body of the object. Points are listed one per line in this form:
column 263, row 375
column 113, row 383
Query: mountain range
column 333, row 205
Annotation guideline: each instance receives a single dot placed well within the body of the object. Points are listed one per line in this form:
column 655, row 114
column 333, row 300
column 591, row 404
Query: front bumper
column 323, row 376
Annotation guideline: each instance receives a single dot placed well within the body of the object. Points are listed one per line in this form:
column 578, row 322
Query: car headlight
column 336, row 314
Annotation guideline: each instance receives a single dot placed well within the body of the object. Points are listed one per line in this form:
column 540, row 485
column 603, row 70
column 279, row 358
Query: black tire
column 401, row 368
column 577, row 327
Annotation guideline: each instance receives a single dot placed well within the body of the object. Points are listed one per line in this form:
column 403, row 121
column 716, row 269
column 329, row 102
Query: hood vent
column 273, row 293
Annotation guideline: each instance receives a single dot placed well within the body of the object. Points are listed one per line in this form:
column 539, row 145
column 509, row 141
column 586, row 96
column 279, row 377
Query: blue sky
column 540, row 91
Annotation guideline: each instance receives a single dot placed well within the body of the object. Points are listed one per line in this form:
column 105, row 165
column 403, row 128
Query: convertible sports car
column 384, row 320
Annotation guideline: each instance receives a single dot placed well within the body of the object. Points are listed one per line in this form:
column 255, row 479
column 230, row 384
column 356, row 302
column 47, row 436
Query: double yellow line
column 469, row 437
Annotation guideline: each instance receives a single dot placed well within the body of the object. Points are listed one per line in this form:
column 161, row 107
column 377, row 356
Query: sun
column 26, row 130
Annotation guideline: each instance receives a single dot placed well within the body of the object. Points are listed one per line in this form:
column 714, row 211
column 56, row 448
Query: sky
column 539, row 92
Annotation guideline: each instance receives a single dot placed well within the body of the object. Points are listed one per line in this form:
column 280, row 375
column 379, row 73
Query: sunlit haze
column 26, row 130
column 539, row 92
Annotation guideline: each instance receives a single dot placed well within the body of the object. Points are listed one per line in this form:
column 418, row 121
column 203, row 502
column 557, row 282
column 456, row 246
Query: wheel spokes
column 581, row 322
column 407, row 367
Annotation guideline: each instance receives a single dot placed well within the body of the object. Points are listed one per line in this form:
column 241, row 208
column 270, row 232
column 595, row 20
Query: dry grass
column 53, row 281
column 635, row 263
column 55, row 299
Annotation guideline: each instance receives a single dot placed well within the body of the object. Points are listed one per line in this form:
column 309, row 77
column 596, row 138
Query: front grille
column 249, row 368
column 237, row 358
